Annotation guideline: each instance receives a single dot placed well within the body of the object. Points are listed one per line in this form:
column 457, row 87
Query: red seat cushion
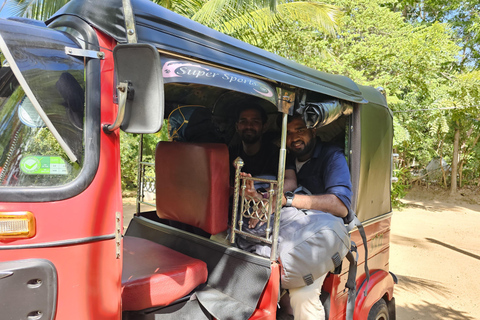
column 154, row 275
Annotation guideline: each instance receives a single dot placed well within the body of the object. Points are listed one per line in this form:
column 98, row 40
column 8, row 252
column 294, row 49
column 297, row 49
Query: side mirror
column 140, row 89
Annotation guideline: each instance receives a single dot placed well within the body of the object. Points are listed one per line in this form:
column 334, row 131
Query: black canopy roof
column 174, row 33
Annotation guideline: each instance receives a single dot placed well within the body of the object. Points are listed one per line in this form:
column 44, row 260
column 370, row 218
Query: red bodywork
column 89, row 273
column 381, row 282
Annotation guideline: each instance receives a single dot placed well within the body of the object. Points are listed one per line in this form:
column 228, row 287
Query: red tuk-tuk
column 68, row 86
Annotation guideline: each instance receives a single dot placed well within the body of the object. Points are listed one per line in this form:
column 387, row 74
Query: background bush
column 129, row 154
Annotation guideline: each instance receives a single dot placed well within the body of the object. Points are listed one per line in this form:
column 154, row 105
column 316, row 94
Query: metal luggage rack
column 247, row 207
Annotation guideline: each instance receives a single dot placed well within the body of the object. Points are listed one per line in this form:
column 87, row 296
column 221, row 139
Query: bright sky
column 5, row 11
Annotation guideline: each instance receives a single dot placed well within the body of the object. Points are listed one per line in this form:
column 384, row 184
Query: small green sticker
column 43, row 165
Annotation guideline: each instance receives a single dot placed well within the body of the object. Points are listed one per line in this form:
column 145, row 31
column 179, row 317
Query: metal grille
column 247, row 207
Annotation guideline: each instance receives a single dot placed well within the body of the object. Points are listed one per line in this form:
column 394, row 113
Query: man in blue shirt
column 323, row 170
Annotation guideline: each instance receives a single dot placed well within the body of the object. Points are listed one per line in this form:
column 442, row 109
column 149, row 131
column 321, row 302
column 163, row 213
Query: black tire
column 379, row 311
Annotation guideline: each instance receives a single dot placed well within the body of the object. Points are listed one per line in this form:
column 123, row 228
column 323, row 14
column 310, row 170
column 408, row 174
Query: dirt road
column 435, row 252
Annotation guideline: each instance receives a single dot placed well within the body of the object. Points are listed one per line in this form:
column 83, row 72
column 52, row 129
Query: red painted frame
column 89, row 274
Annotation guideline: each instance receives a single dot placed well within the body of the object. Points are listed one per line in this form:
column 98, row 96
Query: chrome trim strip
column 129, row 22
column 84, row 53
column 285, row 106
column 5, row 274
column 374, row 220
column 59, row 243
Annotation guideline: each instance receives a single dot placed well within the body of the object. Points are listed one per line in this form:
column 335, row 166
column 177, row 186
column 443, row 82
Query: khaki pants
column 305, row 301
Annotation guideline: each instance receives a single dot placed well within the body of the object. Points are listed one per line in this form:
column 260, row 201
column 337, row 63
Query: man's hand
column 251, row 192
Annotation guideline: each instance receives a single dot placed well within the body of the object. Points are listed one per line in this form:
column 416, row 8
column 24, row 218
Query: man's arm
column 322, row 202
column 290, row 182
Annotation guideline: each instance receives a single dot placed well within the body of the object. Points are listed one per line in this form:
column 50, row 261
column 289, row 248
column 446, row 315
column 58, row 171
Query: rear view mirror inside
column 140, row 88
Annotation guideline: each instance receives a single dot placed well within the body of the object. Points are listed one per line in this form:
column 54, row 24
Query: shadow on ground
column 448, row 246
column 427, row 310
column 422, row 309
column 414, row 284
column 407, row 241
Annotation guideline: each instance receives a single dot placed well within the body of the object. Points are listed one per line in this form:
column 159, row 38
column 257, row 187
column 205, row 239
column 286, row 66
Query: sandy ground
column 435, row 252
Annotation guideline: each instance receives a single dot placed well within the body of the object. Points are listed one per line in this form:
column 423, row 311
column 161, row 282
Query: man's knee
column 305, row 301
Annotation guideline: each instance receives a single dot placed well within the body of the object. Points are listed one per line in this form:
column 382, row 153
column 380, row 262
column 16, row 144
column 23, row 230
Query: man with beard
column 260, row 157
column 322, row 169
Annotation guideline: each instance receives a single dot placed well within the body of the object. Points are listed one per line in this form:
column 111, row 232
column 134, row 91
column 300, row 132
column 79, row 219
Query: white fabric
column 299, row 164
column 305, row 301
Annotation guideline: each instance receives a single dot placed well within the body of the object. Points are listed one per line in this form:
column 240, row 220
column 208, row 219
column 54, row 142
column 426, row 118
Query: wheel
column 379, row 311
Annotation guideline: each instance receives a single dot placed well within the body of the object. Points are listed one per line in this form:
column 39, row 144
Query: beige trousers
column 305, row 301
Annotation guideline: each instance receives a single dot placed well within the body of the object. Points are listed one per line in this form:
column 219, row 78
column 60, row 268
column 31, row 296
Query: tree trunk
column 460, row 174
column 456, row 142
column 444, row 174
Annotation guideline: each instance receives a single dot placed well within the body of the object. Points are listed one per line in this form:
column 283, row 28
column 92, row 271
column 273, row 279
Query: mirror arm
column 123, row 92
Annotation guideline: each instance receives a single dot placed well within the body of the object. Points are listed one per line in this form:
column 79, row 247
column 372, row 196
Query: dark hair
column 251, row 105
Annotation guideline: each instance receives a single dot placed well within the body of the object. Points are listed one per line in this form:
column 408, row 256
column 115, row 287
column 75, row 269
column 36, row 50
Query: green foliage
column 35, row 9
column 129, row 144
column 254, row 21
column 400, row 187
column 461, row 15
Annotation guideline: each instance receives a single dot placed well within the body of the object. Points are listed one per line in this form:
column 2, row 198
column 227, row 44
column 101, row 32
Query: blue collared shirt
column 326, row 172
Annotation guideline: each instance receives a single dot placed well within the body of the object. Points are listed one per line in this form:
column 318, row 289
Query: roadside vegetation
column 424, row 54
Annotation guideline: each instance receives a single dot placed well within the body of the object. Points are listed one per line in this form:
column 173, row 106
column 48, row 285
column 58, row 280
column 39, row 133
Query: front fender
column 381, row 283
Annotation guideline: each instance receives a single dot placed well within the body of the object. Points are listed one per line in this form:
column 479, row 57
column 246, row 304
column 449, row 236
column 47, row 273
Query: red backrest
column 192, row 184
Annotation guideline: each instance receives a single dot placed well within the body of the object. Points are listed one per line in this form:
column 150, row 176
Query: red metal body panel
column 378, row 241
column 87, row 278
column 267, row 306
column 89, row 274
column 380, row 284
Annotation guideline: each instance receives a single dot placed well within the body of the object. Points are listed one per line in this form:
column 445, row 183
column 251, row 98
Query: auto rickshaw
column 70, row 84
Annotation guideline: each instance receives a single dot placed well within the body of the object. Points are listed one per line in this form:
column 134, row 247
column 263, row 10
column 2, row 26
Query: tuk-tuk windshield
column 30, row 152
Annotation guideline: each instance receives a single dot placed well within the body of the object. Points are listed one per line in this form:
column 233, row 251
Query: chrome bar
column 147, row 203
column 249, row 235
column 122, row 102
column 242, row 207
column 140, row 173
column 84, row 53
column 129, row 19
column 238, row 163
column 271, row 195
column 281, row 180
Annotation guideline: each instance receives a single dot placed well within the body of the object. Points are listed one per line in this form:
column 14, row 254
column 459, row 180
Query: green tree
column 419, row 63
column 462, row 94
column 462, row 15
column 465, row 97
column 34, row 9
column 253, row 21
